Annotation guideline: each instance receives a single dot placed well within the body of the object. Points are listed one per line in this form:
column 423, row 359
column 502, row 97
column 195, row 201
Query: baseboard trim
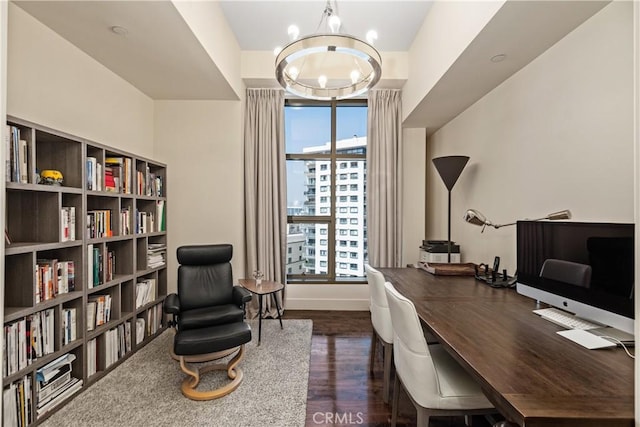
column 327, row 304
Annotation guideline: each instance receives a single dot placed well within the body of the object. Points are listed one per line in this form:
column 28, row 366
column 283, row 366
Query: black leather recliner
column 208, row 315
column 206, row 295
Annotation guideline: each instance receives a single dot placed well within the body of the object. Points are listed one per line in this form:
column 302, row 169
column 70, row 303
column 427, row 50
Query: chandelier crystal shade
column 328, row 65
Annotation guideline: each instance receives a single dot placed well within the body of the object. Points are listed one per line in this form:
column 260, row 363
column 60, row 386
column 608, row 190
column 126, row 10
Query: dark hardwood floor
column 342, row 391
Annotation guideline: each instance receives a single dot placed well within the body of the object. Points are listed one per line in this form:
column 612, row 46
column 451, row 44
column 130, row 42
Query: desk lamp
column 474, row 217
column 450, row 168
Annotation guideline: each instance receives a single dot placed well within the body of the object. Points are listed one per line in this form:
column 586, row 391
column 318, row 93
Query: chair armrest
column 241, row 295
column 171, row 304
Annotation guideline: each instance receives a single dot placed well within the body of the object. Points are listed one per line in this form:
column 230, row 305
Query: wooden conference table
column 532, row 375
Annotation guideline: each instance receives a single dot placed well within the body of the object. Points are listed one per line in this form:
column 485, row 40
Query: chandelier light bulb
column 306, row 63
column 355, row 75
column 293, row 32
column 293, row 72
column 372, row 36
column 334, row 23
column 277, row 50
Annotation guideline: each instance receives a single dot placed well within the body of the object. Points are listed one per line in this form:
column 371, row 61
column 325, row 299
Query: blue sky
column 311, row 126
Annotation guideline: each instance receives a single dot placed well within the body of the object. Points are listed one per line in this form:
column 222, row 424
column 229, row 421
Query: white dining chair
column 382, row 329
column 436, row 384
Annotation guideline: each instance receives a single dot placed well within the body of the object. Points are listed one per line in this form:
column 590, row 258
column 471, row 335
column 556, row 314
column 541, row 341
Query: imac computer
column 608, row 251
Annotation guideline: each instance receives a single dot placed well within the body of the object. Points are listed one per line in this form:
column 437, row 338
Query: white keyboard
column 565, row 319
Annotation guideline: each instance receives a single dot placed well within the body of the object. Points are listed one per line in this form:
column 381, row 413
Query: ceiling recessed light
column 498, row 58
column 121, row 31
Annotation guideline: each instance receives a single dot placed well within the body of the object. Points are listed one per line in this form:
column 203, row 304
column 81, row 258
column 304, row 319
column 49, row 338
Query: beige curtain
column 384, row 183
column 265, row 191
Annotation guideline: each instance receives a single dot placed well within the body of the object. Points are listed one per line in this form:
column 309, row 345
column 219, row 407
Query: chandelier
column 328, row 65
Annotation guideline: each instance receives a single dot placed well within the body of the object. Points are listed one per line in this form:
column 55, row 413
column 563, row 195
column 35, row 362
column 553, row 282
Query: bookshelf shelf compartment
column 33, row 216
column 40, row 230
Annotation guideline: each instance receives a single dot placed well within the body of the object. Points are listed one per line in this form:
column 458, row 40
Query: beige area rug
column 145, row 389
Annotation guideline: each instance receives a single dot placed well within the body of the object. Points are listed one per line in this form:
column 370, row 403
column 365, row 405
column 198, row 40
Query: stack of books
column 53, row 277
column 98, row 311
column 17, row 403
column 156, row 253
column 145, row 292
column 17, row 156
column 55, row 383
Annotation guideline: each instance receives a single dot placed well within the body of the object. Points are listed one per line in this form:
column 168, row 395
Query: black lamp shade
column 450, row 168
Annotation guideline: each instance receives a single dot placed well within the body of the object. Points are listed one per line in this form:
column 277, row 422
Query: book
column 74, row 386
column 61, row 377
column 49, row 370
column 140, row 327
column 7, row 153
column 92, row 173
column 91, row 315
column 48, row 275
column 445, row 269
column 90, row 266
column 72, row 222
column 10, row 413
column 23, row 156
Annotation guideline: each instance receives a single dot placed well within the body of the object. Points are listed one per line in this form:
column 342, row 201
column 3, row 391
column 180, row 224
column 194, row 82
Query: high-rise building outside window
column 326, row 142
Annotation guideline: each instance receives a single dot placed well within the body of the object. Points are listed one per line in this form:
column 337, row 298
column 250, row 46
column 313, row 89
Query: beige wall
column 558, row 134
column 208, row 24
column 414, row 187
column 201, row 143
column 450, row 26
column 53, row 83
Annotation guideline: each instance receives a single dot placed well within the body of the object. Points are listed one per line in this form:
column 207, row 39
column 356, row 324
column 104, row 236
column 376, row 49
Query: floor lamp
column 450, row 168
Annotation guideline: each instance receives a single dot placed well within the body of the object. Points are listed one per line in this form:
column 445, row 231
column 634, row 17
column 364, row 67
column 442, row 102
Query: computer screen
column 608, row 250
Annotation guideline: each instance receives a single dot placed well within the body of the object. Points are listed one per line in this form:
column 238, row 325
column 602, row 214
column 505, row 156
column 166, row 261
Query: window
column 324, row 158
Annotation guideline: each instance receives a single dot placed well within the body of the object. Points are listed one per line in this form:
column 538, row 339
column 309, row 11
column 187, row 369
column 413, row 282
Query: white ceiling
column 262, row 25
column 162, row 57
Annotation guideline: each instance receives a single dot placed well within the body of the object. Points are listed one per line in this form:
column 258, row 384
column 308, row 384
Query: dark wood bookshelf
column 33, row 225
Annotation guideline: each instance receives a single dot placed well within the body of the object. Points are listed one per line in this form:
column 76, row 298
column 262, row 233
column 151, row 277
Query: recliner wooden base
column 191, row 382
